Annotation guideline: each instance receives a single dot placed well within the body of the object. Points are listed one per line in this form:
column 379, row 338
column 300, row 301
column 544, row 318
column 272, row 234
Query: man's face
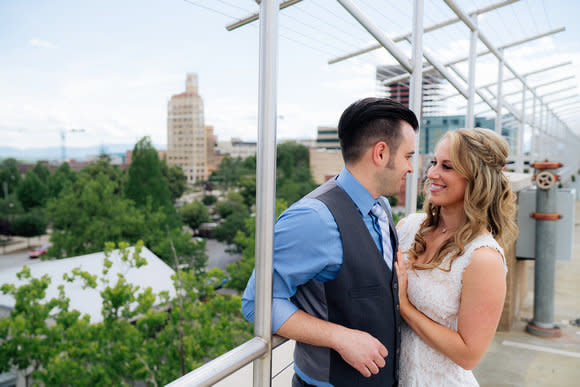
column 399, row 163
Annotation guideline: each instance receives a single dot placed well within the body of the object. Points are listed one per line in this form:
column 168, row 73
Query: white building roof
column 155, row 274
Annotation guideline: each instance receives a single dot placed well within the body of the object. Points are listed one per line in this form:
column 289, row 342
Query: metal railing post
column 533, row 145
column 415, row 101
column 266, row 185
column 520, row 139
column 469, row 119
column 499, row 94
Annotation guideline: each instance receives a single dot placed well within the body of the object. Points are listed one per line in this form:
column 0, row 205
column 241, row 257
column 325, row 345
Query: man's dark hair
column 370, row 120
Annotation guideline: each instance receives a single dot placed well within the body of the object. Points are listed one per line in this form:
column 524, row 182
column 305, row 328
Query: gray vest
column 363, row 296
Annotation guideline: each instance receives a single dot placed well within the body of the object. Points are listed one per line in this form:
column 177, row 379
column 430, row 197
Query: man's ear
column 380, row 153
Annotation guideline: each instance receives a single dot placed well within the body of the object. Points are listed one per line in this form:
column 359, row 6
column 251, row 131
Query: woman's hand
column 401, row 270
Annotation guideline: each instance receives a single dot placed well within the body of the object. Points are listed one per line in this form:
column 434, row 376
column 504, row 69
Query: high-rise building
column 186, row 133
column 399, row 91
column 327, row 138
column 435, row 127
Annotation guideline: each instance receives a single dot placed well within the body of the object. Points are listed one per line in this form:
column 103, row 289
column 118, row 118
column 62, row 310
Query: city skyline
column 111, row 68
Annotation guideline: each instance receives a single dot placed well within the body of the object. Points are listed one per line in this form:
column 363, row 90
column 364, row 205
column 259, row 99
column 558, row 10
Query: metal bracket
column 546, row 216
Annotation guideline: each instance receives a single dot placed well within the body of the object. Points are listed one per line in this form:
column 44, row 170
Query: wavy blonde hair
column 478, row 155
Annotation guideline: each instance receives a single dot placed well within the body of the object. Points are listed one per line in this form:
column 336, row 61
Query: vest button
column 398, row 307
column 395, row 285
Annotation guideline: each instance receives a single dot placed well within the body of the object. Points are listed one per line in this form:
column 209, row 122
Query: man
column 334, row 286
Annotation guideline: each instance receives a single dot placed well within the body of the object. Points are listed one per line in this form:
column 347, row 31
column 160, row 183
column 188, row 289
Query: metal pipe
column 228, row 363
column 572, row 99
column 253, row 17
column 553, row 67
column 266, row 185
column 433, row 27
column 513, row 44
column 376, row 32
column 520, row 138
column 415, row 100
column 542, row 126
column 427, row 69
column 469, row 120
column 534, row 138
column 549, row 83
column 543, row 323
column 499, row 97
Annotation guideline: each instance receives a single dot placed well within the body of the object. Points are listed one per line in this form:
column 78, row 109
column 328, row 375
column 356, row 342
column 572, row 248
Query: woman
column 452, row 272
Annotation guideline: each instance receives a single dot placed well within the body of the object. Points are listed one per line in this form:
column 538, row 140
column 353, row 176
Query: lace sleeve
column 485, row 240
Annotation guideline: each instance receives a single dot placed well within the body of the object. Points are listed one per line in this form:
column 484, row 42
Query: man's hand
column 359, row 349
column 362, row 351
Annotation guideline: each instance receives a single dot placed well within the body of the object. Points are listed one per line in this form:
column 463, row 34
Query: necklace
column 443, row 227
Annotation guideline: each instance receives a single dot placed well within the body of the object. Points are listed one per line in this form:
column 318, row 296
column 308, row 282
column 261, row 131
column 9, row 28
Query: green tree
column 226, row 231
column 103, row 167
column 293, row 176
column 229, row 171
column 195, row 213
column 9, row 175
column 61, row 177
column 32, row 191
column 176, row 180
column 42, row 171
column 208, row 200
column 239, row 272
column 248, row 189
column 163, row 343
column 145, row 178
column 29, row 225
column 233, row 202
column 88, row 214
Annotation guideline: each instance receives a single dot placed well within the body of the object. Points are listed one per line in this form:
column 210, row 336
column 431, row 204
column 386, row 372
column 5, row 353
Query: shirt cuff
column 282, row 309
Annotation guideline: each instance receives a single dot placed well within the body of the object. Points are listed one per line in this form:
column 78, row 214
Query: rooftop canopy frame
column 550, row 133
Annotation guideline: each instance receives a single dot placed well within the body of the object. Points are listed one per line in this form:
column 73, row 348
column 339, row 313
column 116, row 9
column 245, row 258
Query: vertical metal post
column 499, row 106
column 546, row 238
column 415, row 100
column 266, row 185
column 534, row 144
column 520, row 139
column 542, row 132
column 469, row 119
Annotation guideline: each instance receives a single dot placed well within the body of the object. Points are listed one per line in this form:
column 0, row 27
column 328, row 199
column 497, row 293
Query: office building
column 399, row 91
column 186, row 132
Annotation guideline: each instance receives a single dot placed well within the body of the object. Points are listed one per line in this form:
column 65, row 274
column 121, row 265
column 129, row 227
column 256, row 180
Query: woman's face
column 446, row 186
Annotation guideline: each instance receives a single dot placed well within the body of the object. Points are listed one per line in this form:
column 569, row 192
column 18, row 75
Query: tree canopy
column 145, row 178
column 144, row 337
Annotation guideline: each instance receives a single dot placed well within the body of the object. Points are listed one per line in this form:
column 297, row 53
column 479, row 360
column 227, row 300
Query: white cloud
column 41, row 43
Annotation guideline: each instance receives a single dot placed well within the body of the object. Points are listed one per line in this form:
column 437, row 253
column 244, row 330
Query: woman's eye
column 445, row 166
column 433, row 163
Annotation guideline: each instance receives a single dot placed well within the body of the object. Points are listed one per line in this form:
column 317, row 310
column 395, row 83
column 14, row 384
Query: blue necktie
column 383, row 223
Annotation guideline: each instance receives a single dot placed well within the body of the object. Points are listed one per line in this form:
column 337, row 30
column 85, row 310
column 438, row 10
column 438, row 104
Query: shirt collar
column 357, row 192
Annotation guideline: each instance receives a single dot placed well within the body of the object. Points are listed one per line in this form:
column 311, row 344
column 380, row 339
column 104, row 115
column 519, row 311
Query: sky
column 110, row 67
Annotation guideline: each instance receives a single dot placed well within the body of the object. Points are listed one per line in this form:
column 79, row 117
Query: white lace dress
column 437, row 294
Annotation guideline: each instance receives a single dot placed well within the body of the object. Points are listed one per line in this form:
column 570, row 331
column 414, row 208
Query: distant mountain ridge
column 54, row 152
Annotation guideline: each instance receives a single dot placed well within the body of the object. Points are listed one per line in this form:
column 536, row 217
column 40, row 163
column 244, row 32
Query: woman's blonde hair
column 479, row 155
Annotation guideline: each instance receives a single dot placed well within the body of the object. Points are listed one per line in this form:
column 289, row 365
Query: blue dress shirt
column 307, row 246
